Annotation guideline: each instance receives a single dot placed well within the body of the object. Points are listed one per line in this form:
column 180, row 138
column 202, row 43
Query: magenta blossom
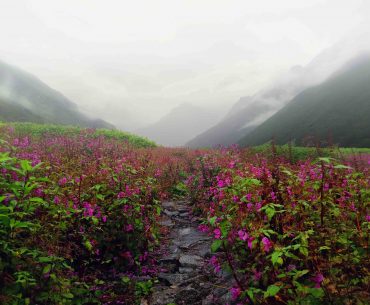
column 62, row 181
column 267, row 244
column 217, row 233
column 243, row 235
column 235, row 293
column 318, row 279
column 203, row 228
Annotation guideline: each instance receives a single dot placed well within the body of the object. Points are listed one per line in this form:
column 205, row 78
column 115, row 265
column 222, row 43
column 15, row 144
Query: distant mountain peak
column 34, row 100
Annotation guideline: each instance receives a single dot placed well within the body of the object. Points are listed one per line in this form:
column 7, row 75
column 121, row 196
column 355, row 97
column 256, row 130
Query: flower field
column 79, row 219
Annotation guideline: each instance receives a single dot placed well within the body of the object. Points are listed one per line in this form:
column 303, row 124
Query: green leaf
column 317, row 292
column 212, row 220
column 325, row 159
column 276, row 258
column 271, row 291
column 341, row 166
column 68, row 295
column 216, row 245
column 46, row 269
column 304, row 251
column 270, row 212
column 88, row 245
column 125, row 279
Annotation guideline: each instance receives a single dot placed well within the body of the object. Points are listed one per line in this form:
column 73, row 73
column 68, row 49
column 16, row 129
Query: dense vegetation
column 335, row 112
column 290, row 233
column 79, row 218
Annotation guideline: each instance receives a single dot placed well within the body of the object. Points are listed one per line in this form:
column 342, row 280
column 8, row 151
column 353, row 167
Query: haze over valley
column 198, row 77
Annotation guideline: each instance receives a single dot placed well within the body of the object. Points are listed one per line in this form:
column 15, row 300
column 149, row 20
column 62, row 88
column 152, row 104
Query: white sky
column 130, row 62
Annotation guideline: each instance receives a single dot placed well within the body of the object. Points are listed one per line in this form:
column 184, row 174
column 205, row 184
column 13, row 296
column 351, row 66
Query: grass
column 39, row 130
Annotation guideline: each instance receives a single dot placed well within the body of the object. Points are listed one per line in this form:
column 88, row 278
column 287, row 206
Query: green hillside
column 34, row 101
column 335, row 112
column 41, row 130
column 12, row 112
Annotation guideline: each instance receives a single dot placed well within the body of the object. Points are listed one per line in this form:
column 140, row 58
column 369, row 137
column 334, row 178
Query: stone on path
column 186, row 277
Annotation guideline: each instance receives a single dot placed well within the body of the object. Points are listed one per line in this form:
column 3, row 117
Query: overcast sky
column 130, row 62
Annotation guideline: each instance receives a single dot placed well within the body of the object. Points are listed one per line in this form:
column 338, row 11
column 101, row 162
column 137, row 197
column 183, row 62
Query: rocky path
column 187, row 277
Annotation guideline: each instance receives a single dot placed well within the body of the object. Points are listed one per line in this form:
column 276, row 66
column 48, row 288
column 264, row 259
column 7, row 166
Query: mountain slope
column 179, row 125
column 277, row 94
column 336, row 111
column 27, row 94
column 12, row 112
column 251, row 111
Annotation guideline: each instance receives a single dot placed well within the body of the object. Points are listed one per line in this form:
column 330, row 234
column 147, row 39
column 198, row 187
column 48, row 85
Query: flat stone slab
column 185, row 231
column 171, row 213
column 166, row 223
column 173, row 278
column 169, row 205
column 191, row 261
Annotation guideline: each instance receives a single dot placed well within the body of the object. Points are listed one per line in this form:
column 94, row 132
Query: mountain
column 334, row 112
column 249, row 112
column 12, row 112
column 23, row 97
column 179, row 125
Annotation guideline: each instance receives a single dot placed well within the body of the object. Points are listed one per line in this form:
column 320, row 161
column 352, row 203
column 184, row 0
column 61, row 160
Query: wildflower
column 221, row 183
column 216, row 265
column 243, row 235
column 203, row 228
column 56, row 200
column 368, row 218
column 129, row 228
column 217, row 233
column 318, row 280
column 267, row 244
column 235, row 293
column 250, row 242
column 62, row 181
column 257, row 275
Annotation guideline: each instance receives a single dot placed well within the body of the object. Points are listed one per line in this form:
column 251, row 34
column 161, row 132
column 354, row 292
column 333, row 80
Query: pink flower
column 62, row 181
column 216, row 265
column 129, row 228
column 221, row 183
column 267, row 244
column 235, row 293
column 56, row 200
column 257, row 275
column 203, row 228
column 104, row 218
column 250, row 240
column 243, row 235
column 318, row 280
column 217, row 233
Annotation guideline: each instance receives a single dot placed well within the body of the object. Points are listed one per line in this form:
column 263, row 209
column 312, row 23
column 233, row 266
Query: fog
column 132, row 62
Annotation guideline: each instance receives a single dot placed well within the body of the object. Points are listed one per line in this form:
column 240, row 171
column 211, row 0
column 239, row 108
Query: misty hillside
column 179, row 125
column 12, row 112
column 249, row 112
column 337, row 111
column 25, row 98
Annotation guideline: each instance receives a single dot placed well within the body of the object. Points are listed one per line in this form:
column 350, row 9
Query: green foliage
column 41, row 130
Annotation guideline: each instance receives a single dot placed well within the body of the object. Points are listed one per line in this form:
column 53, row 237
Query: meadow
column 80, row 210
